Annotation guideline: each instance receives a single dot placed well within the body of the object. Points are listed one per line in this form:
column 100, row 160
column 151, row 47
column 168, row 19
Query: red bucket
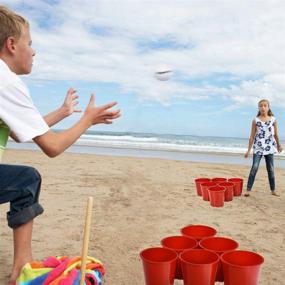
column 179, row 243
column 241, row 267
column 198, row 232
column 217, row 196
column 204, row 187
column 198, row 183
column 229, row 190
column 159, row 265
column 219, row 245
column 219, row 179
column 238, row 185
column 199, row 266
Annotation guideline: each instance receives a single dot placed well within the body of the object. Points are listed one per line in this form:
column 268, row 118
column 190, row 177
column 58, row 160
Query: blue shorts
column 20, row 185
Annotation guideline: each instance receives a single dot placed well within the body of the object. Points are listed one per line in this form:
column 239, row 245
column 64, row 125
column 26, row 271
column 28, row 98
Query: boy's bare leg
column 22, row 249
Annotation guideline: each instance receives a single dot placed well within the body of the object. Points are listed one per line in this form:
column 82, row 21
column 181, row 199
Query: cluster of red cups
column 198, row 257
column 218, row 190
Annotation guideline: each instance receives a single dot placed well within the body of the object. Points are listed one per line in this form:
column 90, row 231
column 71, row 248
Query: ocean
column 167, row 146
column 164, row 142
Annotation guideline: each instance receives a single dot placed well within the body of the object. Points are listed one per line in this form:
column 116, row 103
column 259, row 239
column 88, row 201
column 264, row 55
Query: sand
column 137, row 202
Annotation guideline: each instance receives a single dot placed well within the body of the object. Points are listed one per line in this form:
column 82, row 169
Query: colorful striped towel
column 61, row 271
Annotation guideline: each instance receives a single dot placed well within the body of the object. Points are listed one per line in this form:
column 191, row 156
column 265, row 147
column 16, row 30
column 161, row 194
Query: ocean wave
column 159, row 146
column 166, row 143
column 118, row 138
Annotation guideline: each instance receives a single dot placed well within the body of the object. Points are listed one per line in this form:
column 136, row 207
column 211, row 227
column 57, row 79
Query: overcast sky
column 225, row 57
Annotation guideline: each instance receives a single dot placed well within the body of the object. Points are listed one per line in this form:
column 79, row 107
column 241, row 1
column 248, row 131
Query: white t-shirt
column 16, row 107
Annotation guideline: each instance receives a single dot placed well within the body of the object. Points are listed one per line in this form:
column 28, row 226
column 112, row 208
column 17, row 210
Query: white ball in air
column 163, row 73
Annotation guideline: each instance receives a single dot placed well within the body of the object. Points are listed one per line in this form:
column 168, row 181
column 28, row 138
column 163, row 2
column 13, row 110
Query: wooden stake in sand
column 86, row 238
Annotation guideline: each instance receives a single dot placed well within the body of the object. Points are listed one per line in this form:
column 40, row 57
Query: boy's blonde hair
column 11, row 25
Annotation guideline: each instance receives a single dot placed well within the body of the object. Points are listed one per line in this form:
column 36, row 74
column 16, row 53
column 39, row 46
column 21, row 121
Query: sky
column 225, row 56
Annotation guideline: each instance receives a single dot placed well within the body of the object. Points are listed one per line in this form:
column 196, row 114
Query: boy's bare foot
column 13, row 278
column 247, row 194
column 12, row 282
column 275, row 194
column 15, row 274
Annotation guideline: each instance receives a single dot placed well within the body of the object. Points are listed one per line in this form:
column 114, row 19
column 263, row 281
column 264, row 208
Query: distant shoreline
column 197, row 156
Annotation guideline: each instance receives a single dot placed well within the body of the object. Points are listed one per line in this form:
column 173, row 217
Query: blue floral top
column 264, row 141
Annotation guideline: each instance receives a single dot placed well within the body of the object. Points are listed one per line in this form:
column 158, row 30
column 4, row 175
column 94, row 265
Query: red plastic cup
column 204, row 188
column 217, row 196
column 159, row 265
column 219, row 245
column 241, row 267
column 219, row 179
column 238, row 185
column 198, row 183
column 179, row 244
column 229, row 193
column 199, row 266
column 198, row 232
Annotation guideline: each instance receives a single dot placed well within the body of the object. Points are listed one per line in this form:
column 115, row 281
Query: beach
column 137, row 202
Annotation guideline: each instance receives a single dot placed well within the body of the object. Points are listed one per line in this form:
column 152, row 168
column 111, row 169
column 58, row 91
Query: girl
column 264, row 138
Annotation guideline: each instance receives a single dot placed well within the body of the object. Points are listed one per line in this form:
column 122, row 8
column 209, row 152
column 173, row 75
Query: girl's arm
column 251, row 138
column 279, row 147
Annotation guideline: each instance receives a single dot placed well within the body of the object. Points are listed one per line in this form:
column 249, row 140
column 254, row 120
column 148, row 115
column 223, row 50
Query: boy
column 20, row 185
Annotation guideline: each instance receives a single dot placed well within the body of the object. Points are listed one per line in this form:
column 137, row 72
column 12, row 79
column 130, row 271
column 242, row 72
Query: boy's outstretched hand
column 70, row 102
column 102, row 114
column 54, row 143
